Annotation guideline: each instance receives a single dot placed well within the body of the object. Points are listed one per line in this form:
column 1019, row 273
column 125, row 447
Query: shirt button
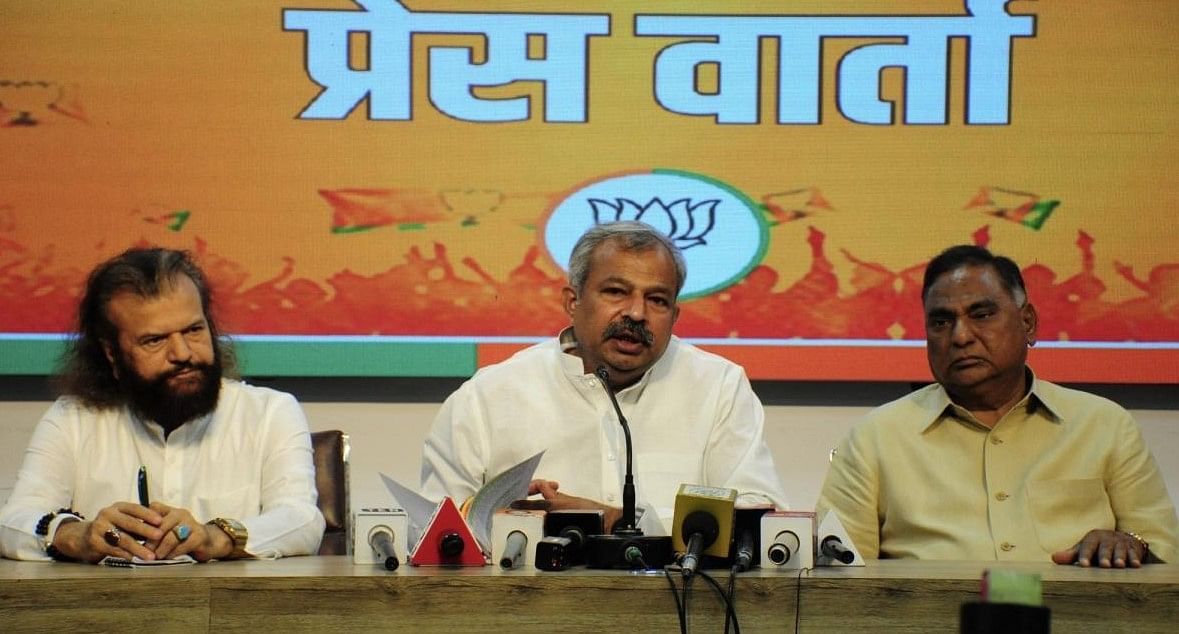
column 995, row 440
column 1007, row 546
column 610, row 497
column 610, row 457
column 1001, row 495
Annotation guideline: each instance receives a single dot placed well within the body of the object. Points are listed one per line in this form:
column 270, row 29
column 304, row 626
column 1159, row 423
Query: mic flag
column 835, row 547
column 447, row 540
column 697, row 509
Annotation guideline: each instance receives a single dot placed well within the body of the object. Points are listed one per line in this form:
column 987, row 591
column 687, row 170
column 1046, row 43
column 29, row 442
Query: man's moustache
column 638, row 330
column 182, row 368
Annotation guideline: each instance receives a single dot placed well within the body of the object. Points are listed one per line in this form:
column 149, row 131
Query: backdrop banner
column 385, row 188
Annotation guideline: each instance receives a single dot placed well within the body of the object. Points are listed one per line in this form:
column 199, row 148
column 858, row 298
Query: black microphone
column 747, row 544
column 833, row 547
column 746, row 547
column 626, row 546
column 702, row 523
column 702, row 530
column 574, row 527
column 625, row 525
column 380, row 539
column 575, row 535
column 451, row 545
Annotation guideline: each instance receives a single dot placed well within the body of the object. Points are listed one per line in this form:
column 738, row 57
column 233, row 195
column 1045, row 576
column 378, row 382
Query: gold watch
column 237, row 532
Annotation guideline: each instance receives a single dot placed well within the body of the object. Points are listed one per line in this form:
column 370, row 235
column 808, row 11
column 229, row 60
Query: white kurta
column 693, row 418
column 249, row 460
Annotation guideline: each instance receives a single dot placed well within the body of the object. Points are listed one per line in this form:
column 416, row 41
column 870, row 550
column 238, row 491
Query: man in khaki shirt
column 992, row 462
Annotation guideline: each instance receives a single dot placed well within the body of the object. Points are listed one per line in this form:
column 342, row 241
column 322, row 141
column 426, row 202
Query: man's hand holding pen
column 180, row 533
column 148, row 530
column 114, row 531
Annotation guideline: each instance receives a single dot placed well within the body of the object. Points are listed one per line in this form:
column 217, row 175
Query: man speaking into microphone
column 693, row 416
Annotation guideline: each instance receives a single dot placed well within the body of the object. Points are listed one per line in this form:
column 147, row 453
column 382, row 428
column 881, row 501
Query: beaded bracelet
column 43, row 523
column 57, row 555
column 43, row 530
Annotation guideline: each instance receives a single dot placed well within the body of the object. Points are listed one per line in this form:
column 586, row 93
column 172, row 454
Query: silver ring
column 111, row 536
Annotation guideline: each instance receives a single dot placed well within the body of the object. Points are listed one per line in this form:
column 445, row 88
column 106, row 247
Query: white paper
column 418, row 510
column 136, row 562
column 500, row 492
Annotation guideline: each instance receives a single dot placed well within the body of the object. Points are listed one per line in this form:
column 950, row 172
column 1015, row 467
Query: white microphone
column 788, row 540
column 784, row 548
column 514, row 534
column 515, row 548
column 379, row 534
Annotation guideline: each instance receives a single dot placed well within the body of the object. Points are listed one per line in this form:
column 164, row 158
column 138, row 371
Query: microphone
column 513, row 549
column 450, row 544
column 788, row 540
column 447, row 540
column 833, row 547
column 702, row 529
column 746, row 547
column 625, row 525
column 626, row 546
column 575, row 527
column 552, row 553
column 702, row 524
column 747, row 527
column 378, row 535
column 577, row 538
column 380, row 539
column 513, row 531
column 785, row 546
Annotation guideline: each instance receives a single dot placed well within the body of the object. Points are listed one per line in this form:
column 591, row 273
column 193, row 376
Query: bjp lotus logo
column 719, row 229
column 685, row 222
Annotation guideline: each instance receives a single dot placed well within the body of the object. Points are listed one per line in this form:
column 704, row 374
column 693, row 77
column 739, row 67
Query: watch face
column 235, row 529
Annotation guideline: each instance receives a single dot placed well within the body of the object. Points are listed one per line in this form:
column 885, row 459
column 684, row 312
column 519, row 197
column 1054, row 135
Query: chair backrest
column 330, row 450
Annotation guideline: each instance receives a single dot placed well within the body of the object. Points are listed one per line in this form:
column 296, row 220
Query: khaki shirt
column 922, row 478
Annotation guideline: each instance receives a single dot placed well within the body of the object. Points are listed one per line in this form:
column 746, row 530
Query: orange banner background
column 120, row 117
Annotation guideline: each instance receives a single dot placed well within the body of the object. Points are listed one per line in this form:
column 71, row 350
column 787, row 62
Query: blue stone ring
column 182, row 532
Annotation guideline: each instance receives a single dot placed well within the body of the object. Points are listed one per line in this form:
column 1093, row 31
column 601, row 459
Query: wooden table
column 330, row 593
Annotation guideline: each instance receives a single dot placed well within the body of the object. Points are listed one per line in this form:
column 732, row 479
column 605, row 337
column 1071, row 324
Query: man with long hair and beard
column 154, row 451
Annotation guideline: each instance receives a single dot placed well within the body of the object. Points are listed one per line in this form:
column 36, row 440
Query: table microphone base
column 614, row 551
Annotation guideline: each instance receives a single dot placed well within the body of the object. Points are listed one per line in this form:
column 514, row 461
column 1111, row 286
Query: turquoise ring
column 182, row 532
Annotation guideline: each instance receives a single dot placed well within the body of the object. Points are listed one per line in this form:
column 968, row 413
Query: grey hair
column 632, row 236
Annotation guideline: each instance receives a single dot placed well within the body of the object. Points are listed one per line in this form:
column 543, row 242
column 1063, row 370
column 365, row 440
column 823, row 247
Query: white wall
column 387, row 438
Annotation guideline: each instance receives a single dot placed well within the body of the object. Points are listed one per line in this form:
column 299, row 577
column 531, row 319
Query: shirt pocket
column 1063, row 511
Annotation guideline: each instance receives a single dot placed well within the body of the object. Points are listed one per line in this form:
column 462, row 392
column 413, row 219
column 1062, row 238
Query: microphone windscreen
column 714, row 501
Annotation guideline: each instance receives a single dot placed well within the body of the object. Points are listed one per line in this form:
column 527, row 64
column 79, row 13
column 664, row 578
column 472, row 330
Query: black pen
column 143, row 498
